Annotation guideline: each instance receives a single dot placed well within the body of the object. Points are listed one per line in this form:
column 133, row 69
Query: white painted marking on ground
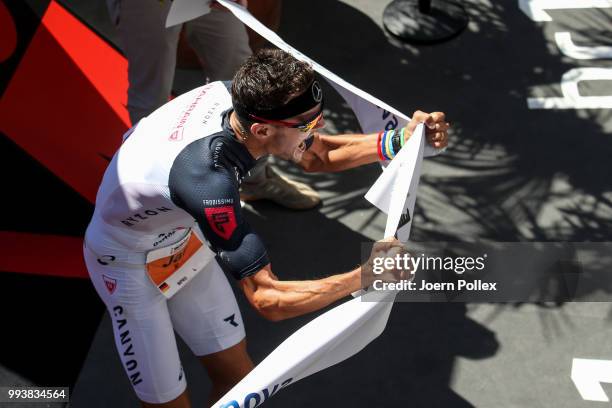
column 588, row 374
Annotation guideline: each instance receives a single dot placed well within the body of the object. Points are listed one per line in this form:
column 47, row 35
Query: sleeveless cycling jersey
column 179, row 167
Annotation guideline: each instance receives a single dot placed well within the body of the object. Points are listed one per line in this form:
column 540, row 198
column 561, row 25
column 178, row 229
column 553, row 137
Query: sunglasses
column 302, row 127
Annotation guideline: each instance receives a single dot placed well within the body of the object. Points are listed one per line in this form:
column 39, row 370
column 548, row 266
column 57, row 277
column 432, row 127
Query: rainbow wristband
column 383, row 146
column 378, row 147
column 389, row 144
column 402, row 138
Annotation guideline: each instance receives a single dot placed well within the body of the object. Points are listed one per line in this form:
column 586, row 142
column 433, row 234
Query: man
column 221, row 44
column 168, row 222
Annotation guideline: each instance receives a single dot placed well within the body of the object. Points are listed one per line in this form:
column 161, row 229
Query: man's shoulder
column 203, row 158
column 188, row 117
column 214, row 95
column 198, row 173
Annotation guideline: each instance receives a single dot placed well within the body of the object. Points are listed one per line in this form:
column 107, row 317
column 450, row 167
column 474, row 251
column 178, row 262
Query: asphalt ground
column 511, row 174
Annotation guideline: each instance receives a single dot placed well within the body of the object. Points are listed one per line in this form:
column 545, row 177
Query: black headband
column 296, row 106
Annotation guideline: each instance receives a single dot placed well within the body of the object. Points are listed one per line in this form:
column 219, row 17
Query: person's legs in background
column 221, row 43
column 269, row 13
column 150, row 49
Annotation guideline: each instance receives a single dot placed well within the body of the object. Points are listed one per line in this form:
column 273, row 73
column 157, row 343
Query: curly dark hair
column 268, row 79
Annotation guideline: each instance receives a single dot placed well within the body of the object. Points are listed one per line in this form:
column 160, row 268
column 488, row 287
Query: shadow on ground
column 416, row 352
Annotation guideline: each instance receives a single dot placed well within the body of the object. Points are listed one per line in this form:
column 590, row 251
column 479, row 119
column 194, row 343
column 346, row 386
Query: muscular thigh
column 205, row 313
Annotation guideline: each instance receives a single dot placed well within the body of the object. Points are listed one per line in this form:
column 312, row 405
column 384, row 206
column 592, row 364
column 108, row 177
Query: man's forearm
column 286, row 299
column 350, row 151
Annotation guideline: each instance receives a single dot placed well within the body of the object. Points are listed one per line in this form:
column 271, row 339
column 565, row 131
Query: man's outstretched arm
column 277, row 300
column 342, row 152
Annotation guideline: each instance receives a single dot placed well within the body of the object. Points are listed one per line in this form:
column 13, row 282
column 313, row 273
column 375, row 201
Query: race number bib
column 171, row 267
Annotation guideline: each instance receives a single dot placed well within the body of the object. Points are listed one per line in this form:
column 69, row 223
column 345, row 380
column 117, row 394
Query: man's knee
column 228, row 366
column 182, row 401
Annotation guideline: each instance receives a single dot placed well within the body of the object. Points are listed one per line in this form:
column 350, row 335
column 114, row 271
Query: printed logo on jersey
column 106, row 259
column 177, row 135
column 222, row 220
column 138, row 217
column 166, row 235
column 219, row 201
column 208, row 115
column 237, row 174
column 111, row 284
column 177, row 131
